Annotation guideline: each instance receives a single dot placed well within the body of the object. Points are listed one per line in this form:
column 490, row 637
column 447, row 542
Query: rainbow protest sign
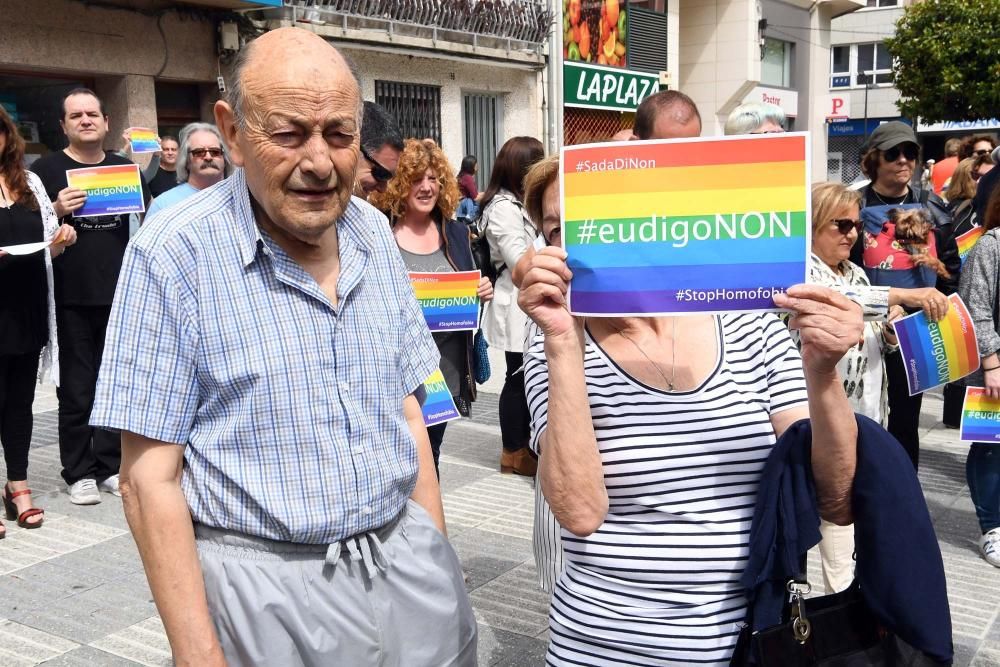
column 439, row 406
column 937, row 352
column 143, row 140
column 685, row 225
column 966, row 241
column 980, row 417
column 110, row 190
column 449, row 300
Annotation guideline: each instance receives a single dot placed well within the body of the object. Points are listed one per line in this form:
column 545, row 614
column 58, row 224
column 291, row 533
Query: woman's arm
column 978, row 289
column 570, row 468
column 505, row 231
column 829, row 324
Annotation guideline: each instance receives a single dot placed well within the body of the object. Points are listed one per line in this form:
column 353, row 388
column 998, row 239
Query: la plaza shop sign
column 595, row 87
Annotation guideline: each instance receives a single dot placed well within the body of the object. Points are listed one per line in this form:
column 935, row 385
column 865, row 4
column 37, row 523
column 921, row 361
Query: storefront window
column 35, row 103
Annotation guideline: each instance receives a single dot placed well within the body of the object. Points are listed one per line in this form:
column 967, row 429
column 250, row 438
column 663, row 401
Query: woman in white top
column 510, row 233
column 652, row 434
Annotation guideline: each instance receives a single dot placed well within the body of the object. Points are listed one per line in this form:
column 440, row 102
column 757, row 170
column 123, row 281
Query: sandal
column 11, row 508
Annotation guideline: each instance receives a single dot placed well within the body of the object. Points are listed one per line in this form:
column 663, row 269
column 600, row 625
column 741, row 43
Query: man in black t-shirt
column 85, row 281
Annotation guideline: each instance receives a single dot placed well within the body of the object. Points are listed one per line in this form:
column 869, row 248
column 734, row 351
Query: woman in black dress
column 27, row 312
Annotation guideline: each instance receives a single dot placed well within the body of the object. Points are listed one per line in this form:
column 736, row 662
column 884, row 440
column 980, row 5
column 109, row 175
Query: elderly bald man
column 261, row 362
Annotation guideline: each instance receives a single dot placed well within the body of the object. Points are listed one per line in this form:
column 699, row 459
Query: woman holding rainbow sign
column 980, row 289
column 420, row 201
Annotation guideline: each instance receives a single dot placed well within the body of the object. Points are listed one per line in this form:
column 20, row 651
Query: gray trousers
column 394, row 597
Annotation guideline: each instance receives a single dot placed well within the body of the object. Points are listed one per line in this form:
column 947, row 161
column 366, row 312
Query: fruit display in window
column 594, row 31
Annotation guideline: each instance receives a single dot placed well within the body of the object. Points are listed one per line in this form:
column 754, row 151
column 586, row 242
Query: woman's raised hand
column 543, row 292
column 829, row 324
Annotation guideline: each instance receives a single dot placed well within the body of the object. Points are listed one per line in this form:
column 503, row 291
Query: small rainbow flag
column 980, row 417
column 110, row 190
column 143, row 140
column 450, row 301
column 966, row 241
column 685, row 225
column 936, row 353
column 439, row 406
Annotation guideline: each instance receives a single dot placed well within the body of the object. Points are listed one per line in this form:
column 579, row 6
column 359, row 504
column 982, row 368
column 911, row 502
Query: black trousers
column 515, row 422
column 904, row 410
column 18, row 374
column 84, row 451
column 436, row 435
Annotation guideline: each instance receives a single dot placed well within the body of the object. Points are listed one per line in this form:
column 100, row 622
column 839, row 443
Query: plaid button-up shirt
column 289, row 409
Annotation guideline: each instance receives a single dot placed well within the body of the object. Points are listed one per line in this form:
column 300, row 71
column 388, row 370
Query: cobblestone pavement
column 74, row 593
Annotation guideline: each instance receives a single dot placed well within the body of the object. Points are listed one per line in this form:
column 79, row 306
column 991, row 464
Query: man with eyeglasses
column 889, row 157
column 381, row 146
column 201, row 163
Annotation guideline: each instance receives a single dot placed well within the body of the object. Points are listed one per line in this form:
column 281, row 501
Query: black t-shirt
column 24, row 308
column 163, row 181
column 87, row 272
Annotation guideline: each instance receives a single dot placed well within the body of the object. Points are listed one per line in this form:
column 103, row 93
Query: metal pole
column 865, row 75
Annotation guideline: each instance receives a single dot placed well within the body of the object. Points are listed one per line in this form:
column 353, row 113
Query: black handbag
column 837, row 630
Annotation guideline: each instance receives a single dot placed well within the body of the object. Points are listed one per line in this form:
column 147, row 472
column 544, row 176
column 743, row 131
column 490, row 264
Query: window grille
column 416, row 108
column 482, row 120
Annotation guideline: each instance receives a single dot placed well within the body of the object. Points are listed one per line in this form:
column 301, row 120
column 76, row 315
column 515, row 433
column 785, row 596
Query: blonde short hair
column 827, row 199
column 541, row 175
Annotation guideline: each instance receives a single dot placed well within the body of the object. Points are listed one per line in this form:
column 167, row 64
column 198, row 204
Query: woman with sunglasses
column 889, row 159
column 836, row 225
column 420, row 201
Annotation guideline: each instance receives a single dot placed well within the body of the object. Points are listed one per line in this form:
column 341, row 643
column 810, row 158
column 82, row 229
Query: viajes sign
column 597, row 87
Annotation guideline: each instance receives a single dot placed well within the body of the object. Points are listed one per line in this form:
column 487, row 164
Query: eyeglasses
column 981, row 151
column 202, row 152
column 909, row 151
column 845, row 225
column 379, row 173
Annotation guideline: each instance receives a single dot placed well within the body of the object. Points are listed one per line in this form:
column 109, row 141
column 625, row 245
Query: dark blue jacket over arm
column 899, row 567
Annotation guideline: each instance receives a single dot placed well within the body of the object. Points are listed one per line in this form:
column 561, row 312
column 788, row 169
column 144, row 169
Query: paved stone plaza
column 74, row 593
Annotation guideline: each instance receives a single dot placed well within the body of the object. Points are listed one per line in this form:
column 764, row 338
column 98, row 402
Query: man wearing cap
column 889, row 157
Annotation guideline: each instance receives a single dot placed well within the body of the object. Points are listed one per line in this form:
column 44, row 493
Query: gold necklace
column 673, row 353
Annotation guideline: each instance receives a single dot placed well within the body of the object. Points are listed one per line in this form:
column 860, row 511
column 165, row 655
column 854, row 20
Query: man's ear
column 225, row 120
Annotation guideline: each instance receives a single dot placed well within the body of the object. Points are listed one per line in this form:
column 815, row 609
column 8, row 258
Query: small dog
column 913, row 226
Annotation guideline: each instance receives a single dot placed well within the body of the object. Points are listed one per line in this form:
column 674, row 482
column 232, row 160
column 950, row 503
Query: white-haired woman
column 756, row 118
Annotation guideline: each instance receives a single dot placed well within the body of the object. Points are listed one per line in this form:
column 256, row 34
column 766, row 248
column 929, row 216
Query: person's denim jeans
column 982, row 471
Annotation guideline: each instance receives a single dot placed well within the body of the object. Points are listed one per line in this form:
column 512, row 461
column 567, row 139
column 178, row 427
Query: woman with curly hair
column 420, row 201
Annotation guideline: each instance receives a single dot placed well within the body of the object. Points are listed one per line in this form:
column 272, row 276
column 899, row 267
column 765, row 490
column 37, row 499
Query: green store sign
column 596, row 87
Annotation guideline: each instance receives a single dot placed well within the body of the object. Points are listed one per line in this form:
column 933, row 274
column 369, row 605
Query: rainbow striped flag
column 685, row 225
column 966, row 241
column 936, row 353
column 980, row 417
column 439, row 406
column 110, row 190
column 143, row 140
column 450, row 301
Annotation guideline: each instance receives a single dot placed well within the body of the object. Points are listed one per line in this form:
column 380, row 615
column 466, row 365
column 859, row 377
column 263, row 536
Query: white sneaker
column 110, row 485
column 989, row 546
column 84, row 492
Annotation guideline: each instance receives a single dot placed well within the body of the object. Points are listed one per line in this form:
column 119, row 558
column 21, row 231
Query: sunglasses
column 202, row 152
column 908, row 150
column 845, row 225
column 379, row 173
column 981, row 151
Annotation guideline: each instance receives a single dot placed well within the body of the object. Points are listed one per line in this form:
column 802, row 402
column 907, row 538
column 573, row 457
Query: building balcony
column 515, row 31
